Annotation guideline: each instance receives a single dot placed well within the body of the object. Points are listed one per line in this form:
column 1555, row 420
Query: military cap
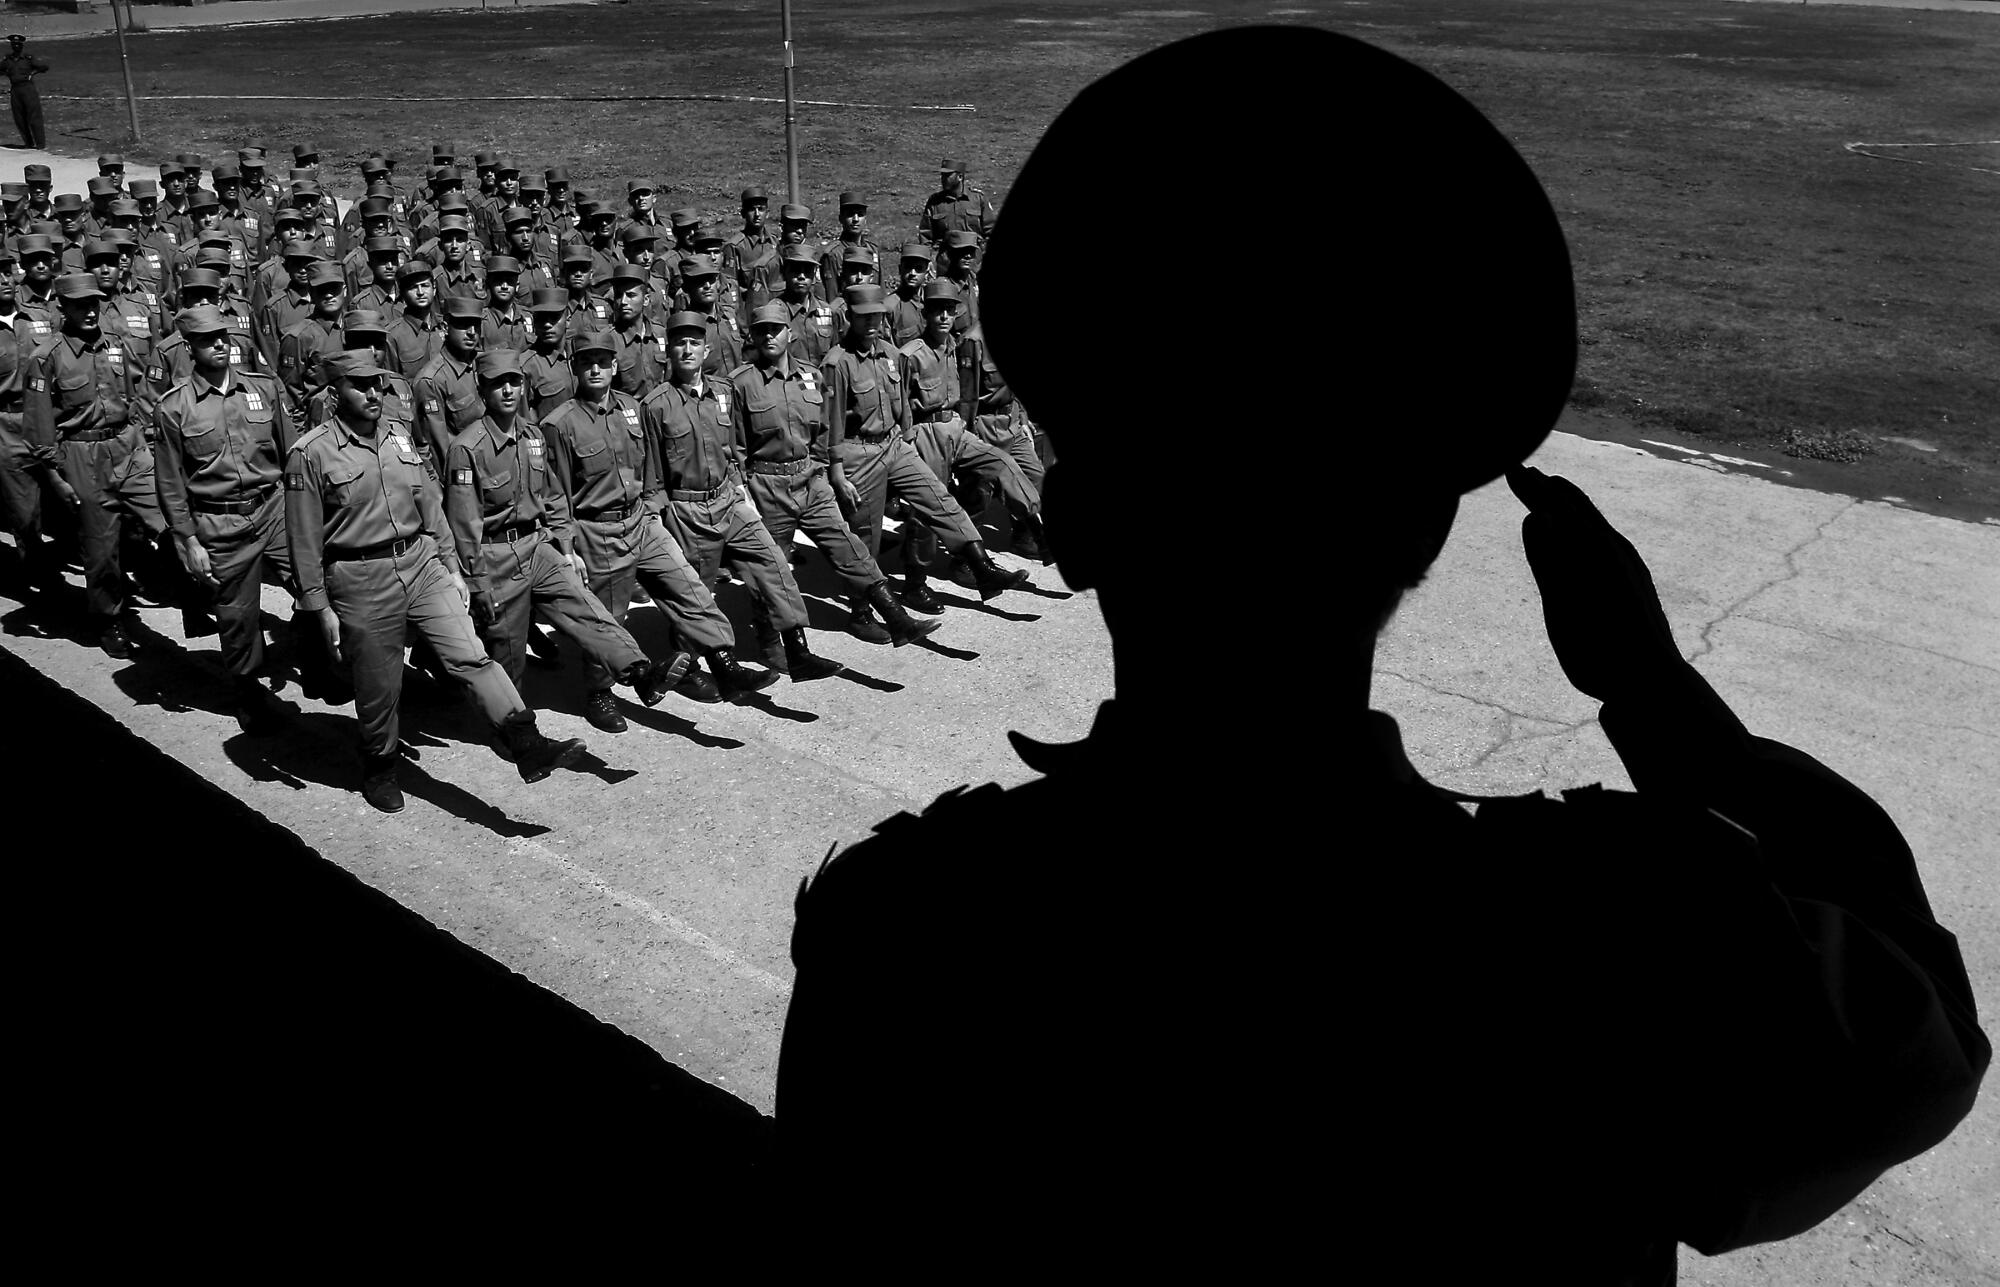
column 110, row 161
column 687, row 320
column 529, row 183
column 6, row 257
column 169, row 170
column 389, row 245
column 700, row 266
column 190, row 161
column 78, row 286
column 99, row 249
column 18, row 39
column 298, row 174
column 384, row 189
column 145, row 188
column 549, row 299
column 50, row 229
column 799, row 255
column 216, row 255
column 485, row 160
column 202, row 319
column 302, row 152
column 624, row 275
column 576, row 253
column 352, row 365
column 102, row 186
column 764, row 314
column 200, row 279
column 33, row 243
column 853, row 201
column 460, row 308
column 36, row 174
column 305, row 187
column 364, row 320
column 67, row 203
column 374, row 165
column 497, row 363
column 505, row 166
column 289, row 214
column 14, row 191
column 795, row 214
column 503, row 265
column 123, row 207
column 302, row 248
column 858, row 255
column 917, row 250
column 593, row 342
column 951, row 166
column 454, row 203
column 203, row 199
column 325, row 273
column 453, row 223
column 684, row 218
column 961, row 239
column 865, row 299
column 710, row 235
column 415, row 268
column 513, row 215
column 250, row 157
column 635, row 186
column 225, row 170
column 752, row 195
column 555, row 174
column 443, row 153
column 943, row 290
column 636, row 233
column 589, row 210
column 377, row 208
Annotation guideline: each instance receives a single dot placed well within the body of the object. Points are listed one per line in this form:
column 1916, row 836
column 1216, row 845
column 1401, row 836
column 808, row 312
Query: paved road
column 654, row 889
column 55, row 25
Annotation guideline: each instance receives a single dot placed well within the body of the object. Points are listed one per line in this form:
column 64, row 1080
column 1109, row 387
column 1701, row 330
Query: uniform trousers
column 21, row 499
column 724, row 527
column 624, row 552
column 28, row 116
column 377, row 601
column 242, row 550
column 1015, row 436
column 879, row 468
column 534, row 578
column 946, row 447
column 804, row 502
column 113, row 478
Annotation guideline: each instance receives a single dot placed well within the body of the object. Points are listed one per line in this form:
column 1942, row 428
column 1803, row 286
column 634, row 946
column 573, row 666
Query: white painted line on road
column 1738, row 460
column 673, row 925
column 1670, row 446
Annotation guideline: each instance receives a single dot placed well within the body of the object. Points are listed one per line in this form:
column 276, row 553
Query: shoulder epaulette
column 310, row 436
column 747, row 366
column 914, row 348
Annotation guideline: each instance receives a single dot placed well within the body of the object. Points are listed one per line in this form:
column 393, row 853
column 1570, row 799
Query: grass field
column 1743, row 277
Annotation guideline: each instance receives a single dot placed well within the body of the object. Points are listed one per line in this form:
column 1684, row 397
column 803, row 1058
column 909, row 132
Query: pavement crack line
column 673, row 925
column 1507, row 711
column 1705, row 644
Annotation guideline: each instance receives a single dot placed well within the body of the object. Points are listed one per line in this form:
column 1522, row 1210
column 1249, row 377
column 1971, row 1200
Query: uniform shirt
column 465, row 280
column 906, row 315
column 21, row 70
column 300, row 354
column 865, row 395
column 284, row 311
column 642, row 353
column 691, row 435
column 812, row 328
column 398, row 404
column 131, row 318
column 496, row 479
column 222, row 442
column 932, row 378
column 172, row 362
column 415, row 340
column 43, row 313
column 969, row 211
column 586, row 313
column 829, row 261
column 513, row 329
column 598, row 455
column 725, row 344
column 780, row 412
column 77, row 385
column 743, row 252
column 16, row 345
column 345, row 493
column 448, row 402
column 549, row 378
column 374, row 298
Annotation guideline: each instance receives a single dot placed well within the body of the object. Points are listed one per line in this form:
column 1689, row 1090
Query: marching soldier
column 545, row 363
column 755, row 244
column 955, row 207
column 505, row 324
column 373, row 558
column 642, row 347
column 172, row 360
column 701, row 286
column 219, row 460
column 375, row 287
column 23, row 471
column 906, row 303
column 416, row 326
column 447, row 387
column 314, row 338
column 88, row 409
column 778, row 406
column 512, row 527
column 868, row 414
column 809, row 316
column 853, row 236
column 598, row 452
column 456, row 274
column 363, row 331
column 693, row 436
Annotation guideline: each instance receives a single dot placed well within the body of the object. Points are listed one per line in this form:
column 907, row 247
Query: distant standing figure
column 21, row 68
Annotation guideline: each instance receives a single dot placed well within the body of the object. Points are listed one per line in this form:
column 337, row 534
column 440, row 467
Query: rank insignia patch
column 461, row 477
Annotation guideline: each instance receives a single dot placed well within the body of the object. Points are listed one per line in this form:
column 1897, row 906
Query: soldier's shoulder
column 467, row 439
column 312, row 440
column 913, row 348
column 736, row 372
column 900, row 854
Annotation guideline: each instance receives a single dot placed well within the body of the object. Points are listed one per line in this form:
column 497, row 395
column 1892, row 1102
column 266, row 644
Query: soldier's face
column 642, row 202
column 951, row 183
column 533, row 200
column 558, row 191
column 69, row 221
column 627, row 301
column 548, row 328
column 148, row 207
column 502, row 394
column 509, row 185
column 462, row 338
column 578, row 278
column 937, row 318
column 380, row 225
column 384, row 267
column 500, row 290
column 329, row 300
column 593, row 372
column 10, row 289
column 856, row 275
column 753, row 214
column 798, row 279
column 701, row 292
column 82, row 316
column 600, row 227
column 207, row 220
column 768, row 341
column 852, row 219
column 687, row 350
column 861, row 327
column 795, row 232
column 210, row 351
column 106, row 272
column 38, row 270
column 419, row 292
column 299, row 270
column 452, row 244
column 914, row 272
column 522, row 238
column 360, row 397
column 176, row 186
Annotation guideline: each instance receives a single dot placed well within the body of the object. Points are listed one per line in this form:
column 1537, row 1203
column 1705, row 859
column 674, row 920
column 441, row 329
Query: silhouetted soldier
column 1233, row 986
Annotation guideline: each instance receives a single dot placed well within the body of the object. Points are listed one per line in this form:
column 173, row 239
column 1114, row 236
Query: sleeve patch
column 38, row 384
column 431, row 406
column 295, row 482
column 461, row 477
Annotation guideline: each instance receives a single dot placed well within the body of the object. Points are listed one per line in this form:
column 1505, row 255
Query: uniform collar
column 498, row 436
column 202, row 388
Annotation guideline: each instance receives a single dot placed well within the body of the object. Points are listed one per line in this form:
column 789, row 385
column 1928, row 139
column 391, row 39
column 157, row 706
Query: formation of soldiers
column 459, row 408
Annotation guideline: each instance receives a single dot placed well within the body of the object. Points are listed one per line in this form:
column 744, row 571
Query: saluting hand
column 1603, row 612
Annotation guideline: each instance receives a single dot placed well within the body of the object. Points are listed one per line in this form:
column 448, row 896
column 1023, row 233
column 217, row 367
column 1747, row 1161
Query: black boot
column 903, row 628
column 698, row 687
column 653, row 682
column 196, row 623
column 770, row 646
column 116, row 643
column 991, row 579
column 800, row 662
column 917, row 596
column 861, row 621
column 542, row 650
column 601, row 709
column 734, row 682
column 534, row 755
column 378, row 782
column 1031, row 539
column 258, row 711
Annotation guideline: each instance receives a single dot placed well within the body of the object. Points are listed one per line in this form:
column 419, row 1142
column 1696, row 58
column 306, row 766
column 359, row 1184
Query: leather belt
column 387, row 550
column 702, row 498
column 250, row 505
column 96, row 435
column 511, row 533
column 782, row 468
column 611, row 514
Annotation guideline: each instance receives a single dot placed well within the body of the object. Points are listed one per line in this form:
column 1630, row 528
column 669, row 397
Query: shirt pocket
column 497, row 487
column 594, row 458
column 74, row 389
column 204, row 443
column 340, row 486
